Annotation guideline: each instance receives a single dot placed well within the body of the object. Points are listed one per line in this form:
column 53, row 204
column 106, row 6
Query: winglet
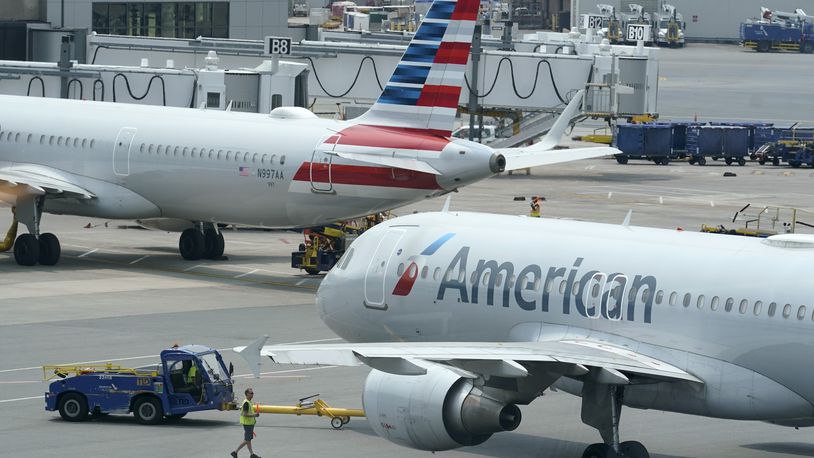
column 252, row 354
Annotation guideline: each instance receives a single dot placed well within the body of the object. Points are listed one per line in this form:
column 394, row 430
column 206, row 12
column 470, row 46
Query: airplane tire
column 49, row 249
column 191, row 244
column 148, row 411
column 73, row 407
column 598, row 451
column 26, row 250
column 633, row 449
column 213, row 244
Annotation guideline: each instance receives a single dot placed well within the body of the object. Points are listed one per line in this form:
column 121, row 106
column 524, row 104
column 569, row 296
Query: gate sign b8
column 636, row 32
column 275, row 46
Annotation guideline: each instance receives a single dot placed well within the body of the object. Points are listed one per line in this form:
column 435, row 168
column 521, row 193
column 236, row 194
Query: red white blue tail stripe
column 424, row 90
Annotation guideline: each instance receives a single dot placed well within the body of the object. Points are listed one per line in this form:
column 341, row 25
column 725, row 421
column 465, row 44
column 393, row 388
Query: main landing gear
column 204, row 241
column 31, row 248
column 602, row 408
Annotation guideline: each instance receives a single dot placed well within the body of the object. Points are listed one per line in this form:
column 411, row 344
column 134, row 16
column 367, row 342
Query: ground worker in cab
column 535, row 206
column 248, row 418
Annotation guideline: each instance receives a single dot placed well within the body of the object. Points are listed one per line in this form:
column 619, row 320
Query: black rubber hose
column 149, row 85
column 355, row 78
column 81, row 87
column 42, row 85
column 102, row 83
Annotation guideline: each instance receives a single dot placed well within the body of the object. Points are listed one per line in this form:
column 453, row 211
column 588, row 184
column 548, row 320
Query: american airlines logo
column 591, row 293
column 410, row 275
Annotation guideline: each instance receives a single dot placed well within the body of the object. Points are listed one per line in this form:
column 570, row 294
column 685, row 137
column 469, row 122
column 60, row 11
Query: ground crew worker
column 535, row 207
column 248, row 418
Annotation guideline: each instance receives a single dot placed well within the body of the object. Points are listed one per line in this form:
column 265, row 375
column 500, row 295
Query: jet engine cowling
column 434, row 412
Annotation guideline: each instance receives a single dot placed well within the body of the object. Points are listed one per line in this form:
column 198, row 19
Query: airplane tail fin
column 425, row 87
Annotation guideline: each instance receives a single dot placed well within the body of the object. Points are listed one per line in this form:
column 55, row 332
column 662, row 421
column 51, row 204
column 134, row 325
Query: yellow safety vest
column 251, row 419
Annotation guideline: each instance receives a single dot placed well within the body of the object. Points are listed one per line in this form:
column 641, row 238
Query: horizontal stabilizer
column 521, row 158
column 389, row 161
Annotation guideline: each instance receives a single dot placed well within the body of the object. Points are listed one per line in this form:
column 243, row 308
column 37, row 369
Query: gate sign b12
column 592, row 21
column 636, row 32
column 275, row 46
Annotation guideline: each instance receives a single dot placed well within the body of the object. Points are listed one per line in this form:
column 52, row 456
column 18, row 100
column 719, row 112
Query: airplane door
column 121, row 151
column 321, row 167
column 375, row 277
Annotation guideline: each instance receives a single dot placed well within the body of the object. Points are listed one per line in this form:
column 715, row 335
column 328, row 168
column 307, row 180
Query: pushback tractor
column 188, row 379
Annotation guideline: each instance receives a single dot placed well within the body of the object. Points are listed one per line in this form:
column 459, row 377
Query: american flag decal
column 244, row 171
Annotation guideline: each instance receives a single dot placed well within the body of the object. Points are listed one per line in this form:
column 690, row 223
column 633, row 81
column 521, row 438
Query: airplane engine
column 436, row 411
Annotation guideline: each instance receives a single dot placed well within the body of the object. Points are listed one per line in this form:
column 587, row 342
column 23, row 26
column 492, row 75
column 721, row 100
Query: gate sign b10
column 592, row 21
column 636, row 32
column 274, row 46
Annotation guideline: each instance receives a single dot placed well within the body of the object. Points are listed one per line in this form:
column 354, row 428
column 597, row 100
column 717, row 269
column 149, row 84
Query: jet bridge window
column 772, row 308
column 786, row 310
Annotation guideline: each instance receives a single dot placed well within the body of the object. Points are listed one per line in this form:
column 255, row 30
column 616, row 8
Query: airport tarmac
column 124, row 294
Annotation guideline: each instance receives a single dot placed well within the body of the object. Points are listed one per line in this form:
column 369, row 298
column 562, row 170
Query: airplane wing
column 543, row 153
column 39, row 180
column 389, row 161
column 505, row 359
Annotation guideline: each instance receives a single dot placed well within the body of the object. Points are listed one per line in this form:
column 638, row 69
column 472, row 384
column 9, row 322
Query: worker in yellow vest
column 248, row 418
column 535, row 207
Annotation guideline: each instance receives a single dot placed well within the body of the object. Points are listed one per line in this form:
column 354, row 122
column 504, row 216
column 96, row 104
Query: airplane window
column 141, row 149
column 632, row 294
column 400, row 269
column 75, row 142
column 282, row 159
column 673, row 297
column 59, row 140
column 254, row 158
column 228, row 155
column 264, row 158
column 646, row 295
column 92, row 142
column 595, row 290
column 659, row 297
column 562, row 287
column 220, row 153
column 42, row 139
column 51, row 141
column 548, row 285
column 537, row 283
column 462, row 276
column 474, row 277
column 700, row 302
column 729, row 303
column 744, row 305
column 273, row 156
column 151, row 148
column 687, row 299
column 211, row 154
column 237, row 156
column 801, row 312
column 758, row 307
column 245, row 157
column 486, row 279
column 436, row 273
column 786, row 310
column 17, row 137
column 713, row 305
column 185, row 151
column 67, row 140
column 575, row 288
column 424, row 271
column 772, row 308
column 194, row 152
column 28, row 140
column 159, row 149
column 447, row 276
column 84, row 143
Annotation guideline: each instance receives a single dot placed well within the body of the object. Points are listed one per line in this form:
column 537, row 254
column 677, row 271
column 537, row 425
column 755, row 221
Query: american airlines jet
column 465, row 316
column 189, row 170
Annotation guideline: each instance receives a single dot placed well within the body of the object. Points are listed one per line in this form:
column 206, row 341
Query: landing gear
column 195, row 244
column 33, row 248
column 602, row 409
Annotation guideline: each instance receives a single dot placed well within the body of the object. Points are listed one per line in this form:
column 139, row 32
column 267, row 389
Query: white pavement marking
column 88, row 252
column 194, row 267
column 301, row 281
column 661, row 199
column 247, row 273
column 20, row 399
column 711, row 203
column 610, row 194
column 155, row 356
column 140, row 259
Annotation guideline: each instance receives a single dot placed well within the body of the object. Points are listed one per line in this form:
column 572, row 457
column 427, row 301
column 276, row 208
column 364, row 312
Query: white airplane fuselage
column 214, row 166
column 732, row 311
